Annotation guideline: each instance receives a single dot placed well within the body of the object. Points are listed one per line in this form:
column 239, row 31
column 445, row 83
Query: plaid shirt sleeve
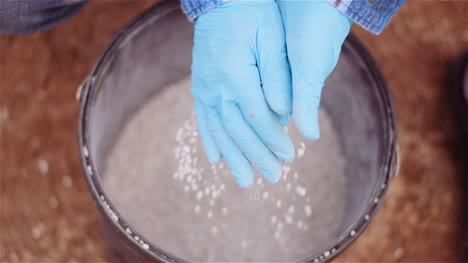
column 373, row 15
column 194, row 8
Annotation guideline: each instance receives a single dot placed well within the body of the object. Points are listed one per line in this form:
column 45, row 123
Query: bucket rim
column 135, row 240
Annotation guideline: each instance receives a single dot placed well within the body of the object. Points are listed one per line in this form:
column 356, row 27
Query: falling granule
column 300, row 153
column 278, row 203
column 301, row 191
column 214, row 230
column 222, row 187
column 299, row 224
column 265, row 195
column 212, row 202
column 43, row 166
column 291, row 209
column 280, row 226
column 308, row 210
column 225, row 210
column 197, row 209
column 244, row 243
column 288, row 186
column 288, row 219
column 273, row 219
column 296, row 176
column 286, row 169
column 259, row 180
column 186, row 188
column 210, row 214
column 199, row 195
column 277, row 235
column 67, row 181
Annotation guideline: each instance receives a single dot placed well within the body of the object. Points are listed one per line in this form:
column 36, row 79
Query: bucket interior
column 145, row 148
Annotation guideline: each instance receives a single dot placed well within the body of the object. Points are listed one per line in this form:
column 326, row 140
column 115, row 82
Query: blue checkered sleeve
column 373, row 15
column 194, row 8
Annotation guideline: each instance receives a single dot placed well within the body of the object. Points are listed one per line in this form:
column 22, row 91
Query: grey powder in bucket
column 160, row 181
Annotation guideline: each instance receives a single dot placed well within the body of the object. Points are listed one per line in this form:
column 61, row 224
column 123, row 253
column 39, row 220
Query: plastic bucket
column 159, row 41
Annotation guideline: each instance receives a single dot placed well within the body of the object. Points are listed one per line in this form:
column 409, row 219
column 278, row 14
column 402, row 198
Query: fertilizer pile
column 160, row 181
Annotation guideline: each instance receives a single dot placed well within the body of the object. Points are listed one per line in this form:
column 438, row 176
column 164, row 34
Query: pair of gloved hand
column 256, row 63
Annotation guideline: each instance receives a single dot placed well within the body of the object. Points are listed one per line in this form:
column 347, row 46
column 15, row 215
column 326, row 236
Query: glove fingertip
column 214, row 157
column 281, row 108
column 308, row 125
column 274, row 176
column 272, row 172
column 284, row 119
column 288, row 155
column 244, row 181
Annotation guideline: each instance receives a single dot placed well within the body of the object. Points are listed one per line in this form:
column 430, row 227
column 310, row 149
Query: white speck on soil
column 53, row 202
column 4, row 115
column 43, row 166
column 67, row 181
column 37, row 230
column 14, row 257
column 398, row 253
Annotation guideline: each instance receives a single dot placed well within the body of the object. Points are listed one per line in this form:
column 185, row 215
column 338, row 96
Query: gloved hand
column 241, row 82
column 315, row 32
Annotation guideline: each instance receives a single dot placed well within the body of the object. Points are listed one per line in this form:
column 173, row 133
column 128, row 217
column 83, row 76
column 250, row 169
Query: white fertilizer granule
column 162, row 184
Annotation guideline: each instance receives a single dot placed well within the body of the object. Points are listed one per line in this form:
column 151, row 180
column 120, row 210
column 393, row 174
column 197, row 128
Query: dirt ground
column 47, row 213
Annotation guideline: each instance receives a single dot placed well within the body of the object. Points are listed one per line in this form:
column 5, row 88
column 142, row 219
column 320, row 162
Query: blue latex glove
column 241, row 82
column 315, row 32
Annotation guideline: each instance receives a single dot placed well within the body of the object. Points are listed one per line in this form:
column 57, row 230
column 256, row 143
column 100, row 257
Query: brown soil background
column 49, row 215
